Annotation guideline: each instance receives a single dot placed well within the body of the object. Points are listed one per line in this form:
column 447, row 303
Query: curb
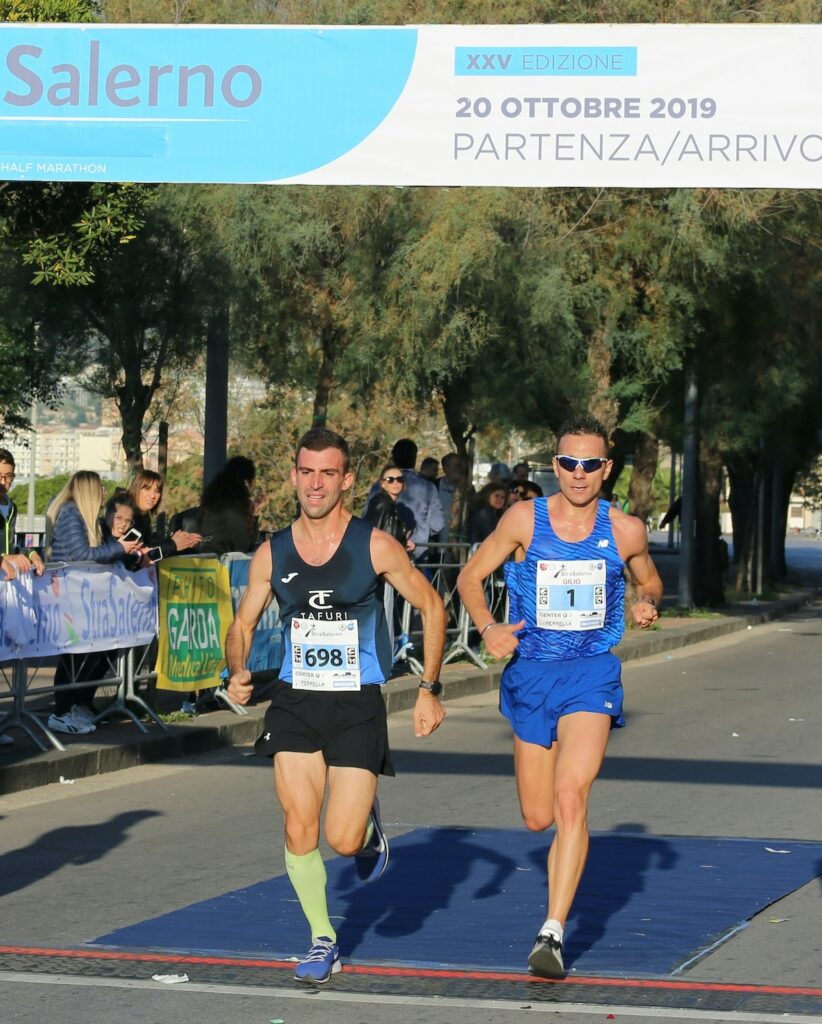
column 645, row 645
column 115, row 752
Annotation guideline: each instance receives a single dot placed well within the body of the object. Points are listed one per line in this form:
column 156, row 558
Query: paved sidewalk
column 120, row 744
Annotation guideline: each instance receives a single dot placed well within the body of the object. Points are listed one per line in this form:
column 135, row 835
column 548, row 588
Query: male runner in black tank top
column 326, row 722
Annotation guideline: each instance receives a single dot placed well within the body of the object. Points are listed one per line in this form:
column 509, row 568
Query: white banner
column 74, row 610
column 529, row 105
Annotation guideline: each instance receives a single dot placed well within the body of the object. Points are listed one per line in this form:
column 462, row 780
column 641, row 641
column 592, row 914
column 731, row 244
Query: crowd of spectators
column 442, row 507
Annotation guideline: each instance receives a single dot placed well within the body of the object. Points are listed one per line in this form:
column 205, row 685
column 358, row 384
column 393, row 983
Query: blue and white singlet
column 334, row 629
column 571, row 594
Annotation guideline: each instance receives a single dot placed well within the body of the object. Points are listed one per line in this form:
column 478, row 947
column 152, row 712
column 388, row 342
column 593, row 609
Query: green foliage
column 268, row 432
column 31, row 362
column 809, row 486
column 49, row 10
column 184, row 485
column 69, row 229
column 46, row 487
column 503, row 12
column 184, row 12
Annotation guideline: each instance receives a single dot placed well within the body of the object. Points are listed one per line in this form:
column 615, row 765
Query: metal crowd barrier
column 19, row 675
column 442, row 566
column 117, row 671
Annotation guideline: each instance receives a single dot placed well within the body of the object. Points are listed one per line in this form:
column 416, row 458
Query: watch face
column 433, row 688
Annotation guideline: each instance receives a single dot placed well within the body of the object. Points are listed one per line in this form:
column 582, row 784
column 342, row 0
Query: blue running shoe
column 319, row 963
column 372, row 859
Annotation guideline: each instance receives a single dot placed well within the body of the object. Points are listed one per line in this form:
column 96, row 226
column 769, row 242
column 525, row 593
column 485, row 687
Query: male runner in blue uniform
column 561, row 691
column 327, row 721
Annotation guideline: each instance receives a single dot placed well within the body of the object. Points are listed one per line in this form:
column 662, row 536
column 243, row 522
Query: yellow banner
column 195, row 615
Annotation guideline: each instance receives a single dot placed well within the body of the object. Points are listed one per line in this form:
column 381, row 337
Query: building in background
column 62, row 449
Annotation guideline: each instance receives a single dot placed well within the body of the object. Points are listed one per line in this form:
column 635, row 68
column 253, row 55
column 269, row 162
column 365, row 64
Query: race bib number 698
column 325, row 655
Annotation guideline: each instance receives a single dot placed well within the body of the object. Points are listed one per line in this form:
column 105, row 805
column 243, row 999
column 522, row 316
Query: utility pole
column 216, row 398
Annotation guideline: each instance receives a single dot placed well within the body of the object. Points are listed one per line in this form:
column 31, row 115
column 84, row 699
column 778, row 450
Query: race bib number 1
column 325, row 655
column 570, row 595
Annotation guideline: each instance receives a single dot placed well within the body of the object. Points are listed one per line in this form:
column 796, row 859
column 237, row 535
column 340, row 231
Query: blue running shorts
column 534, row 695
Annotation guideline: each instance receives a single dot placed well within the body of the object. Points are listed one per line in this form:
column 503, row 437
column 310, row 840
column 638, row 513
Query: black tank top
column 344, row 588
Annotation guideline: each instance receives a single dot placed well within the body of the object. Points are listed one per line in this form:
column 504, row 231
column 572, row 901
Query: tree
column 314, row 261
column 482, row 309
column 145, row 310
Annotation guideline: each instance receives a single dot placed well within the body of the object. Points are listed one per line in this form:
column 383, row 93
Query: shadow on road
column 424, row 880
column 72, row 845
column 779, row 774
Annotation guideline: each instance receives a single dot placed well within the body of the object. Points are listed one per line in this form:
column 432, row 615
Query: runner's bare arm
column 632, row 544
column 255, row 600
column 513, row 531
column 391, row 562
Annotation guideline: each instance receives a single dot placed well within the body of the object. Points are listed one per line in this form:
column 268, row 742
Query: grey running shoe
column 545, row 959
column 372, row 859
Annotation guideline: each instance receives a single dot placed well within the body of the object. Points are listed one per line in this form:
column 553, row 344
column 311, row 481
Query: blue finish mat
column 474, row 899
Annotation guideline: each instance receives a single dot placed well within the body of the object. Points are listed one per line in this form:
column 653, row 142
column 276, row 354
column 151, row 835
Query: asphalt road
column 722, row 740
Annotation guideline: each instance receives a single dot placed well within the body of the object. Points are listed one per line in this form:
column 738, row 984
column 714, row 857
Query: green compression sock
column 307, row 875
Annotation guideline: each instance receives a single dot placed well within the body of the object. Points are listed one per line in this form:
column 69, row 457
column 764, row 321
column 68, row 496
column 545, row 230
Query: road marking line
column 335, row 996
column 373, row 970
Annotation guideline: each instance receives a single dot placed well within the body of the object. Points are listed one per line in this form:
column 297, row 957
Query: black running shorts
column 349, row 728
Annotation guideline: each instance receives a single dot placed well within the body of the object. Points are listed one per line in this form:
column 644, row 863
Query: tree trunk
column 641, row 490
column 325, row 378
column 133, row 399
column 462, row 431
column 711, row 553
column 621, row 448
column 781, row 488
column 601, row 404
column 740, row 500
column 742, row 503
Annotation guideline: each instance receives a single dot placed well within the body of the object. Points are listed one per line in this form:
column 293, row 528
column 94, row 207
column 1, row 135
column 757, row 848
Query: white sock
column 554, row 927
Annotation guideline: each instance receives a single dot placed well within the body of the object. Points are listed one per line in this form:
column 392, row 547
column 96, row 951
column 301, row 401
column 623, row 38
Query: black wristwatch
column 435, row 688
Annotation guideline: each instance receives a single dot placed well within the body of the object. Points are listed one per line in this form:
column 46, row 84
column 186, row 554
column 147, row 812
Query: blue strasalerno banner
column 527, row 105
column 75, row 609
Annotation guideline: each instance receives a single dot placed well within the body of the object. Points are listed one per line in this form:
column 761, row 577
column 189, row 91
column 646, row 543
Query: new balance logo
column 289, row 577
column 602, row 543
